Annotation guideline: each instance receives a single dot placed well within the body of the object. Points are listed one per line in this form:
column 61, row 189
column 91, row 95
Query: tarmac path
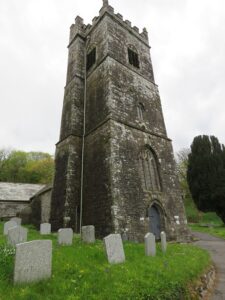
column 216, row 247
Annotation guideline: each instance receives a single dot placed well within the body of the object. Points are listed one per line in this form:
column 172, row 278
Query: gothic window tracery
column 149, row 170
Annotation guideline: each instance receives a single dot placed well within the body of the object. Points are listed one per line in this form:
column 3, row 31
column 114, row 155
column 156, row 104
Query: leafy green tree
column 206, row 174
column 26, row 167
column 13, row 165
column 40, row 171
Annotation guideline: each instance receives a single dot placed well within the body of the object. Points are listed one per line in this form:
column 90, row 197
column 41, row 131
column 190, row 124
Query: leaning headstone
column 88, row 234
column 114, row 248
column 17, row 220
column 163, row 241
column 65, row 236
column 150, row 246
column 9, row 225
column 16, row 235
column 45, row 228
column 33, row 261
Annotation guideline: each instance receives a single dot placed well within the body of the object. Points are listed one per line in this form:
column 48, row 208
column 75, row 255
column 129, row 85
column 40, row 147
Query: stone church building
column 115, row 166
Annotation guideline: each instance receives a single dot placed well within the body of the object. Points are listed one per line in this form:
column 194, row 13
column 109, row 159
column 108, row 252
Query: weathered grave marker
column 9, row 225
column 114, row 248
column 45, row 228
column 150, row 245
column 65, row 236
column 17, row 220
column 163, row 241
column 88, row 234
column 33, row 261
column 17, row 235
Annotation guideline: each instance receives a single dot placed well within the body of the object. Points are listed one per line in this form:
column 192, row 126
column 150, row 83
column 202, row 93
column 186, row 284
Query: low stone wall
column 10, row 209
column 205, row 285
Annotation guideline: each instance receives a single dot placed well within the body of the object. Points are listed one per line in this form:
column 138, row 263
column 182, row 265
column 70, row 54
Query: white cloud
column 187, row 39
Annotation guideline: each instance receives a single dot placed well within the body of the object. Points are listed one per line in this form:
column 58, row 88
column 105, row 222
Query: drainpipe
column 84, row 131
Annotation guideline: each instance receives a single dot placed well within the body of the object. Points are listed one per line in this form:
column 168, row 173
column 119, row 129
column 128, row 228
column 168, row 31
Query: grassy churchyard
column 81, row 271
column 215, row 230
column 204, row 222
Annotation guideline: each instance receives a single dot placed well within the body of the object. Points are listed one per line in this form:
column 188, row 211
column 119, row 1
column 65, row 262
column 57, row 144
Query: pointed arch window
column 140, row 111
column 149, row 170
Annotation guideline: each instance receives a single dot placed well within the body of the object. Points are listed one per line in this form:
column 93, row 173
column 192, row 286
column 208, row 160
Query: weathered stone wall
column 66, row 187
column 72, row 115
column 119, row 39
column 97, row 106
column 10, row 209
column 97, row 181
column 130, row 200
column 45, row 199
column 127, row 90
column 41, row 207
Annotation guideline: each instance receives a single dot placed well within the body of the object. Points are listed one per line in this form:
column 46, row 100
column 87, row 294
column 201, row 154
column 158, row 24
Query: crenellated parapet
column 79, row 28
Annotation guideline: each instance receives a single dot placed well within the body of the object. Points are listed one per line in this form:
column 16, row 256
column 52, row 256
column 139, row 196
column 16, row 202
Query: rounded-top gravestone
column 16, row 235
column 9, row 225
column 150, row 245
column 163, row 241
column 17, row 220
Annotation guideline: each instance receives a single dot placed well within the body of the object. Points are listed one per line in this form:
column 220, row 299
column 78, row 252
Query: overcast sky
column 188, row 52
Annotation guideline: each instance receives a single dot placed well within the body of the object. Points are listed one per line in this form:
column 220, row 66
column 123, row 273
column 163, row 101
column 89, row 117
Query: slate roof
column 18, row 191
column 46, row 188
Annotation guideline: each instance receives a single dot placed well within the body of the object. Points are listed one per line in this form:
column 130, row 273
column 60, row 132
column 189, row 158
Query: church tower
column 115, row 166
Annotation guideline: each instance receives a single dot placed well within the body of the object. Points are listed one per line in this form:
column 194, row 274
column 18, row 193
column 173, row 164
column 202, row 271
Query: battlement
column 80, row 27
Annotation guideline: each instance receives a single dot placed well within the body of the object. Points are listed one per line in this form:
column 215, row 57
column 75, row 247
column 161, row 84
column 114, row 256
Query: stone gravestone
column 9, row 225
column 17, row 220
column 33, row 261
column 16, row 235
column 163, row 241
column 114, row 248
column 45, row 228
column 65, row 236
column 150, row 246
column 88, row 234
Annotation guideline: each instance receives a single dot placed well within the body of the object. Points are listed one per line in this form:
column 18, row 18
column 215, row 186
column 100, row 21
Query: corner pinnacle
column 105, row 3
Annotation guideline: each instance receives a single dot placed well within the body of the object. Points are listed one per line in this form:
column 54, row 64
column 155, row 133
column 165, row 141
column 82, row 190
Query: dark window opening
column 133, row 58
column 91, row 58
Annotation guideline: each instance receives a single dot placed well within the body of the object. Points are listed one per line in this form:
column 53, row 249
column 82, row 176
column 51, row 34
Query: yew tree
column 206, row 174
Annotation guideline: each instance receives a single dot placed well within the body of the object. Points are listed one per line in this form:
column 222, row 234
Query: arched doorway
column 154, row 221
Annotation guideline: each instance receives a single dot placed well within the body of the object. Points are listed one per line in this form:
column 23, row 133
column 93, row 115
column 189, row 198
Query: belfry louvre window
column 149, row 170
column 133, row 58
column 91, row 58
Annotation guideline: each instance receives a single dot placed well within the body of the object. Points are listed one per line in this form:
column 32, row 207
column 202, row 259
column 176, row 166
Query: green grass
column 81, row 271
column 218, row 231
column 204, row 222
column 195, row 216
